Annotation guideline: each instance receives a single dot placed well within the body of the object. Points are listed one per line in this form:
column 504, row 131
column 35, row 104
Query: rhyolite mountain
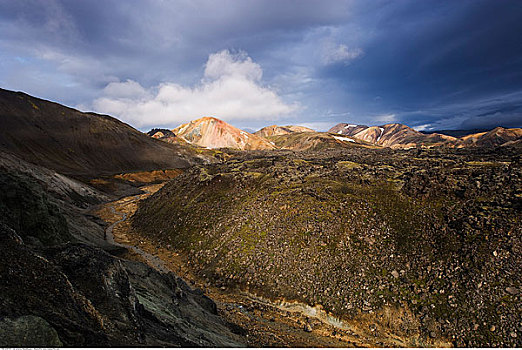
column 492, row 138
column 76, row 143
column 390, row 135
column 455, row 133
column 214, row 133
column 211, row 132
column 401, row 136
column 274, row 130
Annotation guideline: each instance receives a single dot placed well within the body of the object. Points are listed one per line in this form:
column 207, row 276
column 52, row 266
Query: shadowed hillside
column 77, row 143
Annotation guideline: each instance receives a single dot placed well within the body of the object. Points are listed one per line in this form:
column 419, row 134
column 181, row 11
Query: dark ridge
column 166, row 132
column 80, row 144
column 454, row 133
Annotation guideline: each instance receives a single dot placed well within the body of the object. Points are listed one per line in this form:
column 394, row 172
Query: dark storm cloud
column 432, row 55
column 437, row 64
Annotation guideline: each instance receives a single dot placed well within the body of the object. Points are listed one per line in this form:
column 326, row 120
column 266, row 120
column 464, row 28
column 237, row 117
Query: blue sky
column 428, row 64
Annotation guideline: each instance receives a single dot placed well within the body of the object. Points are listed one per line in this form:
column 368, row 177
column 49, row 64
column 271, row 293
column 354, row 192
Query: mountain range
column 402, row 136
column 211, row 132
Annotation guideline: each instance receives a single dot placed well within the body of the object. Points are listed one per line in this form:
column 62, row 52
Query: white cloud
column 318, row 126
column 129, row 89
column 230, row 89
column 333, row 53
column 223, row 64
column 385, row 118
column 423, row 127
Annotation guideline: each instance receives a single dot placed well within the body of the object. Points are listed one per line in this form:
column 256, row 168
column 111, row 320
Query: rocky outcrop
column 59, row 289
column 28, row 210
column 91, row 298
column 28, row 331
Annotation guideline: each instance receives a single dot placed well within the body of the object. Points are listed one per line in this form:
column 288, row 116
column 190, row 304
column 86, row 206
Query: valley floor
column 264, row 323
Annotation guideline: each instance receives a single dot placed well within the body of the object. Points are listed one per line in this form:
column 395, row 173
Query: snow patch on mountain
column 343, row 139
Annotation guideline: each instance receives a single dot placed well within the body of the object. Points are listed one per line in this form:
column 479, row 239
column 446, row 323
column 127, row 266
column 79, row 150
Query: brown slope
column 315, row 141
column 214, row 133
column 391, row 135
column 76, row 143
column 274, row 130
column 492, row 138
column 347, row 129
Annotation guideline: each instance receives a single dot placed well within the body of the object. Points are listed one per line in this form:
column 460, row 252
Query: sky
column 431, row 65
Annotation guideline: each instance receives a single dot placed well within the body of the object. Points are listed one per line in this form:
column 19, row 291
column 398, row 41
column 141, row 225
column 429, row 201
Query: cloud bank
column 230, row 89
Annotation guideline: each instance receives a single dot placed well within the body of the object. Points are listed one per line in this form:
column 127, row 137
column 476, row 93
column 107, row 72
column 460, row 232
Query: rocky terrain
column 274, row 130
column 63, row 284
column 427, row 242
column 214, row 133
column 76, row 143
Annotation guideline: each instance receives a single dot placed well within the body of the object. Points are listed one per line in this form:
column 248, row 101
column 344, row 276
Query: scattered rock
column 512, row 290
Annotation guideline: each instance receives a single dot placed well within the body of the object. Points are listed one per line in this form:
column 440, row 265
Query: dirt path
column 152, row 260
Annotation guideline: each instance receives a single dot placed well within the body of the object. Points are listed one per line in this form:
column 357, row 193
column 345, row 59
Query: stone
column 28, row 331
column 512, row 290
column 395, row 274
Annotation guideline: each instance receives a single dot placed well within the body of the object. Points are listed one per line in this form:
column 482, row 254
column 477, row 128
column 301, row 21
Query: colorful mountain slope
column 214, row 133
column 274, row 130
